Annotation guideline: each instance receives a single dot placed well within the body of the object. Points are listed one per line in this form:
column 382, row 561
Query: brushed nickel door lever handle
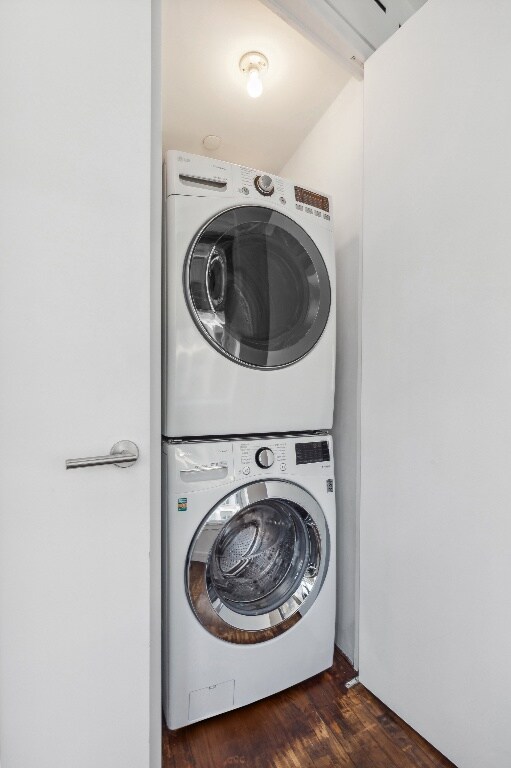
column 122, row 454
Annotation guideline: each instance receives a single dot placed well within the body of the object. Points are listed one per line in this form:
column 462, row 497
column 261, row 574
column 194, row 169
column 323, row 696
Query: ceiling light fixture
column 254, row 64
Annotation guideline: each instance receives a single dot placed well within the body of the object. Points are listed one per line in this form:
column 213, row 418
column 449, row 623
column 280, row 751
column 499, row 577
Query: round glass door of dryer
column 257, row 287
column 258, row 561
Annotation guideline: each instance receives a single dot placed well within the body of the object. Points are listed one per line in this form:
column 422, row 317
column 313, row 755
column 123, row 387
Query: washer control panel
column 276, row 457
column 261, row 457
column 243, row 460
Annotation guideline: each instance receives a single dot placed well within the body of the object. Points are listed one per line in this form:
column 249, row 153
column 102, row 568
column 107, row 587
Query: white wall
column 330, row 160
column 435, row 602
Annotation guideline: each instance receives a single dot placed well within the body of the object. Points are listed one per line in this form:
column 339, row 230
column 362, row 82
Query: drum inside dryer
column 257, row 287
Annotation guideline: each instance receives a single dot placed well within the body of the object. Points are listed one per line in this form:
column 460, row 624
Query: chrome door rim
column 318, row 263
column 297, row 604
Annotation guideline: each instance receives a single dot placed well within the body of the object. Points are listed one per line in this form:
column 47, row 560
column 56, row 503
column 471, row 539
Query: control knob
column 264, row 458
column 264, row 185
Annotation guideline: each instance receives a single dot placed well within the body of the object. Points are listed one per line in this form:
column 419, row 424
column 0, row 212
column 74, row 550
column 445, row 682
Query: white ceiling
column 204, row 91
column 374, row 21
column 348, row 30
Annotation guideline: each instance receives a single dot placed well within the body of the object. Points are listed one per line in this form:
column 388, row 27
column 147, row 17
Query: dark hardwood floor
column 317, row 724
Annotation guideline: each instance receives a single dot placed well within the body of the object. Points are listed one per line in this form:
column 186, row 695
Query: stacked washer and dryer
column 249, row 506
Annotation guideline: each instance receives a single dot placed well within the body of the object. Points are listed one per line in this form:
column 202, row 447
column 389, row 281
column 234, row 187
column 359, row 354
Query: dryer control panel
column 256, row 185
column 199, row 176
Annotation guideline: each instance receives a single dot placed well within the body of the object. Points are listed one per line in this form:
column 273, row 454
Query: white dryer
column 249, row 571
column 249, row 302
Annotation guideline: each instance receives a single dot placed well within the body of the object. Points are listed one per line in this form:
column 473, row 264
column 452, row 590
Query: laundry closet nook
column 249, row 510
column 262, row 149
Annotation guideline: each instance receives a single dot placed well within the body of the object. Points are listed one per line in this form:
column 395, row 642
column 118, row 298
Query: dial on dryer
column 264, row 185
column 264, row 458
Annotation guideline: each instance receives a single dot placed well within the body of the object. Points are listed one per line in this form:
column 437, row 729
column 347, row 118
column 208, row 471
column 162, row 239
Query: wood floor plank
column 424, row 754
column 316, row 724
column 342, row 723
column 394, row 752
column 321, row 747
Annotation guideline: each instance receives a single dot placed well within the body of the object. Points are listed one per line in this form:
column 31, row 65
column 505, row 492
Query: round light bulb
column 254, row 83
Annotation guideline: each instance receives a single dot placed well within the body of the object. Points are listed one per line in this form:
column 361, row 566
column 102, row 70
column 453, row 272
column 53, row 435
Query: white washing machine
column 249, row 307
column 249, row 570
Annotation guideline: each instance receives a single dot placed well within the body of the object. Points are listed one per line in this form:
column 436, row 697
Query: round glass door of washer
column 257, row 287
column 258, row 561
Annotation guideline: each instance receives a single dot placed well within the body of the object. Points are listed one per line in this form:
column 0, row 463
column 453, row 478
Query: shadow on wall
column 330, row 160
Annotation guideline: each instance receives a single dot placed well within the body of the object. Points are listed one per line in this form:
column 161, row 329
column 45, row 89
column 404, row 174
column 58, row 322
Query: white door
column 435, row 606
column 75, row 352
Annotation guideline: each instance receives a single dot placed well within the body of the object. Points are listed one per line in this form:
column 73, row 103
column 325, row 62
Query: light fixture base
column 211, row 142
column 253, row 60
